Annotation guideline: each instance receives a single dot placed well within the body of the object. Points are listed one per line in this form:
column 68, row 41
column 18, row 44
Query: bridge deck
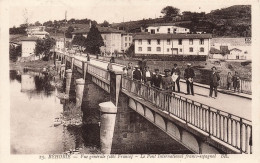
column 226, row 102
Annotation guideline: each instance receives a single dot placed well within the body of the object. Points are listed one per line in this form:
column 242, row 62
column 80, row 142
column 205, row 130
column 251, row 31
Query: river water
column 35, row 105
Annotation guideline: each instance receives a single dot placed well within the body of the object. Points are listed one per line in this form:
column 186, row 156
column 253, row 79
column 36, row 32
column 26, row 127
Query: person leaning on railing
column 167, row 82
column 157, row 79
column 147, row 76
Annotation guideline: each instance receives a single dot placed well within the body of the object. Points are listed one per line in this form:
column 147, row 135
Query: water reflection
column 32, row 119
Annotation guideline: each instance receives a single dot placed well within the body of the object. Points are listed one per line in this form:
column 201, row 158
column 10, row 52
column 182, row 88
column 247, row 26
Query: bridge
column 203, row 126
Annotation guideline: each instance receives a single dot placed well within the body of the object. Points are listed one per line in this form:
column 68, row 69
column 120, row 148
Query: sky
column 111, row 10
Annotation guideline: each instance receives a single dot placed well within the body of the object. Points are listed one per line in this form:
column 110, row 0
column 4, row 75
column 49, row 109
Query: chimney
column 90, row 24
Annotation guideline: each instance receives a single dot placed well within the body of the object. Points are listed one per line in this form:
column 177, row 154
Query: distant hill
column 234, row 21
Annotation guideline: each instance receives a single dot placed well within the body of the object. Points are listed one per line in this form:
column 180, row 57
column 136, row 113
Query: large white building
column 114, row 40
column 166, row 28
column 37, row 31
column 28, row 46
column 126, row 41
column 172, row 44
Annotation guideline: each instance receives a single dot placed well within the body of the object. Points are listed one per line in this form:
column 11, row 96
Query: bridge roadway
column 236, row 105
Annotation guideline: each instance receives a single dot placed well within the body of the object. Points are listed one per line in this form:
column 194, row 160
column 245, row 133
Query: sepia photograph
column 130, row 77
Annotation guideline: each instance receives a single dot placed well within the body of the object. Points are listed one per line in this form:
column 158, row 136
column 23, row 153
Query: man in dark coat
column 137, row 75
column 214, row 79
column 177, row 71
column 188, row 76
column 156, row 79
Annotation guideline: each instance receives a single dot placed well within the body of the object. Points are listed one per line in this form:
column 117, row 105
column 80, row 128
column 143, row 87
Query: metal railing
column 231, row 129
column 245, row 85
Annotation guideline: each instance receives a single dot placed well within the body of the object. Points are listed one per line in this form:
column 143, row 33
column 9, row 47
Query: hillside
column 234, row 21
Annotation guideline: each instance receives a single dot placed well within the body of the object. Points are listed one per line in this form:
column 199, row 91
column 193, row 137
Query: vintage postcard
column 128, row 80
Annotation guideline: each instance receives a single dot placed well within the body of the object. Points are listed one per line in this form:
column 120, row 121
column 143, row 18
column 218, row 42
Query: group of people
column 171, row 79
column 166, row 82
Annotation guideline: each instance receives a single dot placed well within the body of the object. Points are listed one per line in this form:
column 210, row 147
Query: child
column 236, row 82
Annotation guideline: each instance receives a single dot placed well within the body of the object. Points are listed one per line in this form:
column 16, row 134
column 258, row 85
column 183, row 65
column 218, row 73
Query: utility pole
column 65, row 30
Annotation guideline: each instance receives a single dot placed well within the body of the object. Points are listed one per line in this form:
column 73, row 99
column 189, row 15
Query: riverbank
column 35, row 65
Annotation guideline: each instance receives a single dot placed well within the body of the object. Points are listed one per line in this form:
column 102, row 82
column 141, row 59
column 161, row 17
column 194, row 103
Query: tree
column 68, row 33
column 37, row 23
column 94, row 40
column 80, row 41
column 105, row 24
column 170, row 11
column 130, row 51
column 14, row 52
column 43, row 46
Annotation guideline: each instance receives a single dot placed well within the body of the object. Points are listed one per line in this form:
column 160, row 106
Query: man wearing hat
column 167, row 81
column 157, row 79
column 177, row 72
column 147, row 76
column 137, row 75
column 188, row 76
column 214, row 79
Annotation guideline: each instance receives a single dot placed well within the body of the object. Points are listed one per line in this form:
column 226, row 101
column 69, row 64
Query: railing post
column 241, row 135
column 186, row 102
column 208, row 119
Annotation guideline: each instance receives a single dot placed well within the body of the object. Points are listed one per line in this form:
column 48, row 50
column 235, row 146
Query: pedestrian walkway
column 232, row 104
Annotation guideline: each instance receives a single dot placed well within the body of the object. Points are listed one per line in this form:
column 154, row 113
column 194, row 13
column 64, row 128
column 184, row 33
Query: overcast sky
column 100, row 10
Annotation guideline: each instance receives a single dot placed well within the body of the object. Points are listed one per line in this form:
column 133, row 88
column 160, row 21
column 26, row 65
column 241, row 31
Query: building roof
column 39, row 32
column 235, row 49
column 163, row 24
column 101, row 29
column 171, row 36
column 214, row 51
column 30, row 39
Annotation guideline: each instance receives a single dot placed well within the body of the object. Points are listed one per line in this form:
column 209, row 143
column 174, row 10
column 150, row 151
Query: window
column 201, row 41
column 168, row 49
column 149, row 42
column 201, row 49
column 157, row 29
column 158, row 42
column 158, row 49
column 180, row 41
column 140, row 42
column 169, row 30
column 180, row 49
column 191, row 49
column 191, row 41
column 140, row 49
column 129, row 38
column 125, row 38
column 168, row 41
column 125, row 44
column 149, row 49
column 152, row 31
column 129, row 44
